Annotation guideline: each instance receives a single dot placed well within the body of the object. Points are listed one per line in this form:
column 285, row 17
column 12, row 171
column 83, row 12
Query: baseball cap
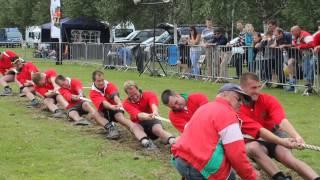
column 16, row 59
column 236, row 88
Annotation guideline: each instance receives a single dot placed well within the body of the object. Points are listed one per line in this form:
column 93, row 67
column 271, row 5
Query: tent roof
column 83, row 23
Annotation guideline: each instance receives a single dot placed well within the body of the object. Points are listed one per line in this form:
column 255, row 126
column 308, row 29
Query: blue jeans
column 190, row 173
column 187, row 171
column 194, row 56
column 126, row 55
column 308, row 67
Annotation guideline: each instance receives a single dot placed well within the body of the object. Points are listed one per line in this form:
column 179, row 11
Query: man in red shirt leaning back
column 267, row 111
column 72, row 91
column 47, row 89
column 142, row 107
column 182, row 106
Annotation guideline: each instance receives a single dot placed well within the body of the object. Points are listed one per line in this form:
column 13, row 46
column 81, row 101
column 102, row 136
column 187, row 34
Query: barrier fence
column 291, row 68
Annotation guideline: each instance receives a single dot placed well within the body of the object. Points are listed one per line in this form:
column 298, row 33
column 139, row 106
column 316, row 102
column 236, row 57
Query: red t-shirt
column 213, row 144
column 98, row 96
column 25, row 74
column 193, row 102
column 75, row 87
column 144, row 105
column 5, row 62
column 316, row 39
column 267, row 111
column 42, row 90
column 304, row 41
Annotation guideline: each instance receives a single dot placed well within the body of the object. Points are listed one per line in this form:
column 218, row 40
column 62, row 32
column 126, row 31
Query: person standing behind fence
column 316, row 41
column 248, row 40
column 195, row 50
column 240, row 42
column 222, row 68
column 207, row 36
column 304, row 41
column 276, row 56
column 285, row 63
column 266, row 62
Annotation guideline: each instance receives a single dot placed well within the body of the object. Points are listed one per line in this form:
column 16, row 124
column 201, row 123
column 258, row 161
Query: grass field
column 33, row 146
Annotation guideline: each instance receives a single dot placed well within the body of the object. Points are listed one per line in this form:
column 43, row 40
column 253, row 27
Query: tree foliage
column 288, row 12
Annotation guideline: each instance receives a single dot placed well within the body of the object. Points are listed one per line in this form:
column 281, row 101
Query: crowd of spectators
column 278, row 56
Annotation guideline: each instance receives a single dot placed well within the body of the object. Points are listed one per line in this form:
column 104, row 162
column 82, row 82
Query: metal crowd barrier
column 290, row 68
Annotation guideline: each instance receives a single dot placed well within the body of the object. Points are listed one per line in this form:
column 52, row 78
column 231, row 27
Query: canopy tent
column 79, row 23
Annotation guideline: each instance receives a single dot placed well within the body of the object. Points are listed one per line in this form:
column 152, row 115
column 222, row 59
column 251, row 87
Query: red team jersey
column 75, row 87
column 25, row 74
column 213, row 144
column 42, row 90
column 267, row 111
column 144, row 105
column 106, row 94
column 5, row 62
column 180, row 118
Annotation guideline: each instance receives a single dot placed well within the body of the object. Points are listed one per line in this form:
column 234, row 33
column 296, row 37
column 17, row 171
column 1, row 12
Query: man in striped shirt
column 239, row 57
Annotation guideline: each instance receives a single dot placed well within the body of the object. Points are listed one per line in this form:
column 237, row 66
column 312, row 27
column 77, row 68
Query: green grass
column 33, row 146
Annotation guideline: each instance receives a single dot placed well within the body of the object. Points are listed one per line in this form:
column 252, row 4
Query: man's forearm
column 269, row 136
column 286, row 126
column 144, row 116
column 107, row 105
column 117, row 100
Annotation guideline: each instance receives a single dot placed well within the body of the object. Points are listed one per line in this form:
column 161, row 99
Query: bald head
column 295, row 31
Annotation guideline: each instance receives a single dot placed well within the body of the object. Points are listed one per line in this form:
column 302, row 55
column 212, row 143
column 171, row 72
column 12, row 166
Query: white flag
column 55, row 11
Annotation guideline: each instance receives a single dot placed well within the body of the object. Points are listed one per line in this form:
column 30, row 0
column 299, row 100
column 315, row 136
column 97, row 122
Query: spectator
column 182, row 106
column 258, row 52
column 222, row 68
column 207, row 38
column 184, row 63
column 212, row 143
column 316, row 41
column 249, row 30
column 240, row 42
column 257, row 38
column 195, row 50
column 267, row 62
column 272, row 25
column 304, row 41
column 277, row 57
column 285, row 62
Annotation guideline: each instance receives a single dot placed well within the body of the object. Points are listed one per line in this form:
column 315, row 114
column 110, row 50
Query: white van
column 33, row 36
column 121, row 31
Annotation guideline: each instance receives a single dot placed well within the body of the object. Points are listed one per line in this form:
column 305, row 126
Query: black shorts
column 271, row 147
column 11, row 72
column 147, row 127
column 78, row 108
column 54, row 98
column 109, row 114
